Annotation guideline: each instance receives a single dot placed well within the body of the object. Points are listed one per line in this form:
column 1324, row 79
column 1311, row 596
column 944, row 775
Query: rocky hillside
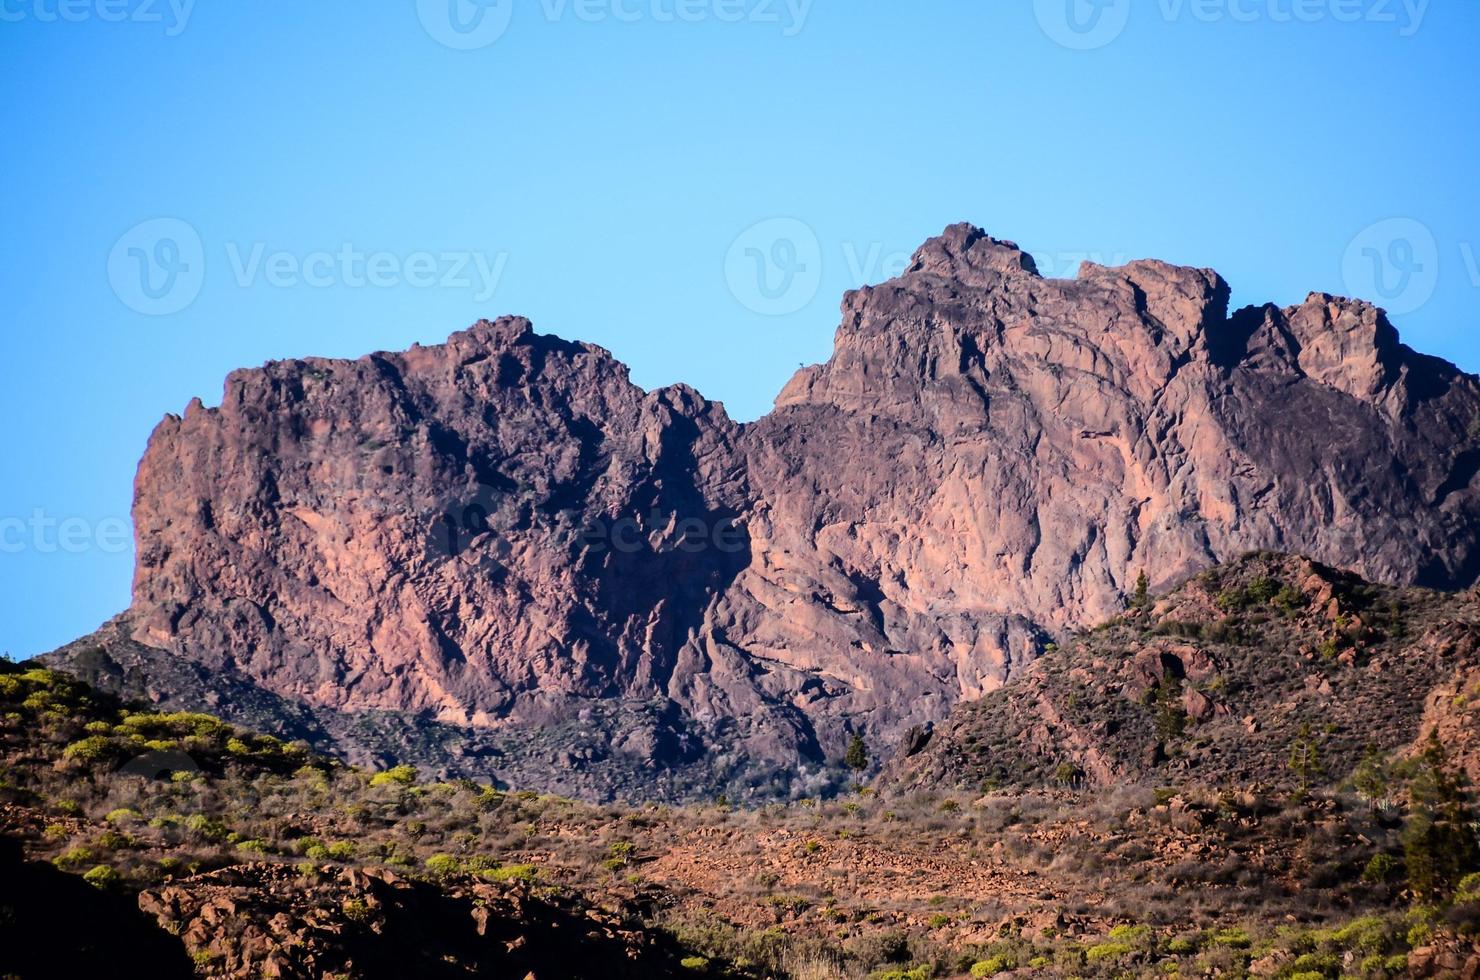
column 1271, row 671
column 135, row 843
column 503, row 535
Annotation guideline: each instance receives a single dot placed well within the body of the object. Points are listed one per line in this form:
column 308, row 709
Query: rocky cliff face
column 504, row 535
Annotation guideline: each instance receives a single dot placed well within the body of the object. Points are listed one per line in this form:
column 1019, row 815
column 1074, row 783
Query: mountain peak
column 503, row 532
column 964, row 251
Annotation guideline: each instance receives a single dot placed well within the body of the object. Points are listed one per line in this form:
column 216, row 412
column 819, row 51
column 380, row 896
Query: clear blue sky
column 607, row 161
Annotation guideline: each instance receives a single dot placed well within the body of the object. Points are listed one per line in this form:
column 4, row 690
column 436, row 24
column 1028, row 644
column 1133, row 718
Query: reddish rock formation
column 502, row 533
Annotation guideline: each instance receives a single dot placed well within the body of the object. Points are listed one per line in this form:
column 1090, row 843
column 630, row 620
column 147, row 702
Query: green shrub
column 94, row 748
column 1130, row 934
column 1230, row 938
column 397, row 776
column 112, row 840
column 73, row 856
column 992, row 966
column 696, row 963
column 443, row 865
column 356, row 910
column 211, row 830
column 520, row 873
column 1107, row 951
column 914, row 973
column 1319, row 964
column 103, row 877
column 1379, row 869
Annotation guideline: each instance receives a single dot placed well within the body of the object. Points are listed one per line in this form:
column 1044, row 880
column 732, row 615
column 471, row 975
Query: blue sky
column 690, row 183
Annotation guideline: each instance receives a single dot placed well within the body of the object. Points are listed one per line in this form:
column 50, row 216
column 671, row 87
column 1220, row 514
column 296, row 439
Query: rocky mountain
column 499, row 557
column 1270, row 671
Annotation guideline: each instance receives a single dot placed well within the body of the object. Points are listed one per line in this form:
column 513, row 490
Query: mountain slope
column 503, row 535
column 1271, row 671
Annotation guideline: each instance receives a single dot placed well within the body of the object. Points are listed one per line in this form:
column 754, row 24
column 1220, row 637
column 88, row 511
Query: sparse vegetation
column 1341, row 860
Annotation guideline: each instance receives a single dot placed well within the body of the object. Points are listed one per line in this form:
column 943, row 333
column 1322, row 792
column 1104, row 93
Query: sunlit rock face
column 502, row 533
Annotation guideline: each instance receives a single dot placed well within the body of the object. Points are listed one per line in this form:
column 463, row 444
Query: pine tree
column 1439, row 843
column 857, row 755
column 1171, row 717
column 1305, row 757
column 1371, row 777
column 1142, row 598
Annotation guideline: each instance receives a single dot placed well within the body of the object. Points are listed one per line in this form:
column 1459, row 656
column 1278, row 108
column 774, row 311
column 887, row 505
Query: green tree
column 1141, row 598
column 857, row 756
column 1305, row 757
column 1371, row 777
column 1171, row 717
column 1439, row 844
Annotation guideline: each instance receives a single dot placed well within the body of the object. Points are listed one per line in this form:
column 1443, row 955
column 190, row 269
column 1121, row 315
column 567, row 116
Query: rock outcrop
column 1229, row 680
column 504, row 535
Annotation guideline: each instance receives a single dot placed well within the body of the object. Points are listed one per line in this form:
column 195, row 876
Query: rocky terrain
column 140, row 843
column 499, row 558
column 1220, row 683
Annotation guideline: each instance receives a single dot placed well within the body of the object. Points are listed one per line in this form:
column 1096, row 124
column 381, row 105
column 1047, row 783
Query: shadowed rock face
column 503, row 532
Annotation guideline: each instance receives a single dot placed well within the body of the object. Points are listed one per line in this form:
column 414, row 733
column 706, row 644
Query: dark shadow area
column 54, row 924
